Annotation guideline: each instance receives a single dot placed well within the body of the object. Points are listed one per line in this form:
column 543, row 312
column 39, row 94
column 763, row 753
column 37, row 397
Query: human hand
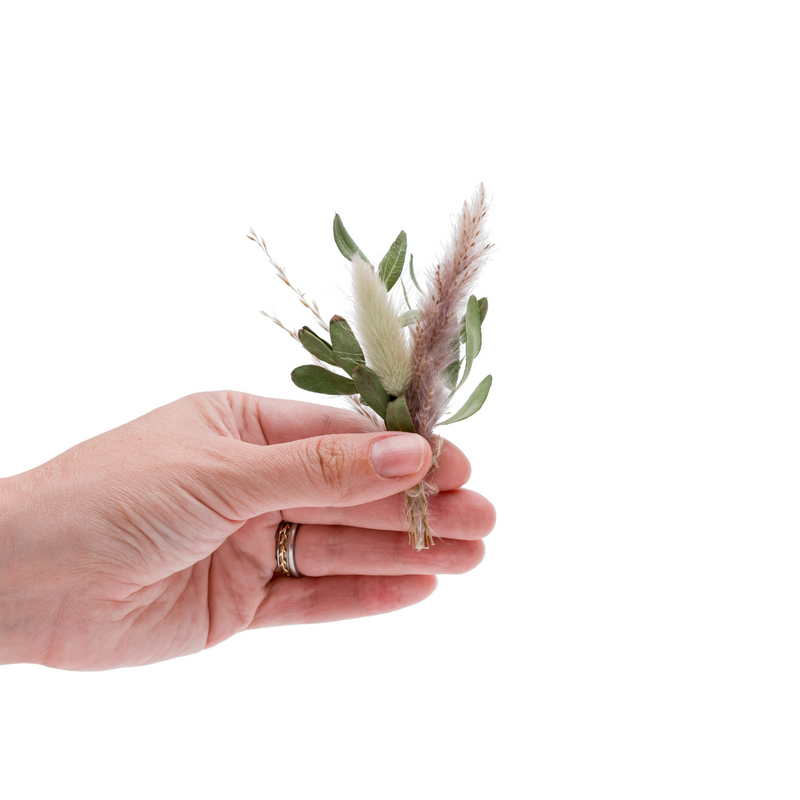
column 157, row 539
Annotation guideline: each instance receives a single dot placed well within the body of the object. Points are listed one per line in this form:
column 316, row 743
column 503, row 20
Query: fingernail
column 396, row 456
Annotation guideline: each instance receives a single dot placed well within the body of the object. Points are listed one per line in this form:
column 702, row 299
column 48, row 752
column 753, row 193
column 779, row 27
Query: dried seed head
column 379, row 329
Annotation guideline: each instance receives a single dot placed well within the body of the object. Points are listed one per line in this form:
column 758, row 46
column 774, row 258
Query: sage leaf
column 344, row 241
column 411, row 271
column 316, row 345
column 371, row 389
column 317, row 379
column 346, row 349
column 391, row 266
column 473, row 405
column 483, row 306
column 398, row 417
column 472, row 323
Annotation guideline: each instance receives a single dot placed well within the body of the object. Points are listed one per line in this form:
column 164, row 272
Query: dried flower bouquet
column 401, row 367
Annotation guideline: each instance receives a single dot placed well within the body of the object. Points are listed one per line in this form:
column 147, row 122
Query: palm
column 195, row 607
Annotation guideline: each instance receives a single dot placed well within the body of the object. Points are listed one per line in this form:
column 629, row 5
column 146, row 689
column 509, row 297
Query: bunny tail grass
column 379, row 329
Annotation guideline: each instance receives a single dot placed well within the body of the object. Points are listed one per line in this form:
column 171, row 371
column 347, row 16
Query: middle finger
column 322, row 550
column 460, row 514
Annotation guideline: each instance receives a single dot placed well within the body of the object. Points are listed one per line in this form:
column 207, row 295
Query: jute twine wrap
column 420, row 534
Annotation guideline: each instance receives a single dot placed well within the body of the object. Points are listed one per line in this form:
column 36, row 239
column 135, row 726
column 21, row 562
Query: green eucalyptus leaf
column 316, row 345
column 398, row 417
column 483, row 307
column 473, row 405
column 391, row 266
column 344, row 241
column 472, row 322
column 409, row 317
column 317, row 379
column 371, row 389
column 346, row 349
column 411, row 271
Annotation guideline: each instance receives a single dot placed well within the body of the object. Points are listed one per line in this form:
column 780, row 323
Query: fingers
column 454, row 468
column 319, row 466
column 460, row 514
column 290, row 601
column 321, row 550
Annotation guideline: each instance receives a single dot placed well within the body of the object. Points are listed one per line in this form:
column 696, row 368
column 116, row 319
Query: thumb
column 332, row 470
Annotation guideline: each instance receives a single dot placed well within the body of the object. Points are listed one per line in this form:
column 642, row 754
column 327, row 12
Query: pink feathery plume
column 440, row 316
column 435, row 338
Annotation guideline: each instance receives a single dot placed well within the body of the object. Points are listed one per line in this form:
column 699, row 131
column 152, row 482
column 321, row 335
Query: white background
column 633, row 630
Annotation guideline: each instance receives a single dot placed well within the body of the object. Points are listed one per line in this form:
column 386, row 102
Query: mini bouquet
column 406, row 353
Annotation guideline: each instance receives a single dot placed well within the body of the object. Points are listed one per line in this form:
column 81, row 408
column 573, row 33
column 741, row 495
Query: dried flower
column 437, row 331
column 379, row 328
column 403, row 380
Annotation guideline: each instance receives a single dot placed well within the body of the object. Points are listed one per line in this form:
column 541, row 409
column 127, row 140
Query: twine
column 420, row 534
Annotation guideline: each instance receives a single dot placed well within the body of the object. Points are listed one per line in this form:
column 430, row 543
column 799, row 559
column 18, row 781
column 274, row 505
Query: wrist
column 20, row 609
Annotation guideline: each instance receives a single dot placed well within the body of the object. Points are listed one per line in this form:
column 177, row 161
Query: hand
column 157, row 539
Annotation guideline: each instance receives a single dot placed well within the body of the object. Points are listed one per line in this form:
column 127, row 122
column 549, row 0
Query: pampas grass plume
column 379, row 329
column 441, row 311
column 435, row 337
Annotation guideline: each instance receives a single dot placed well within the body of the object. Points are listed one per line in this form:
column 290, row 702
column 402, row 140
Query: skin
column 157, row 539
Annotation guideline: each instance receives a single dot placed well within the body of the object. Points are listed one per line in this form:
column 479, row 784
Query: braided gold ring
column 287, row 531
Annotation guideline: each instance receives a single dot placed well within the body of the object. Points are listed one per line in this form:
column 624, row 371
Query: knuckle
column 330, row 456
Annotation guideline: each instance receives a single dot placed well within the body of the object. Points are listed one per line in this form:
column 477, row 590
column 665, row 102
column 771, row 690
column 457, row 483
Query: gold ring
column 287, row 532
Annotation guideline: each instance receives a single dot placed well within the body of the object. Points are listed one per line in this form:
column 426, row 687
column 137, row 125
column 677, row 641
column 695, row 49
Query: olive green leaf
column 347, row 247
column 476, row 400
column 318, row 379
column 391, row 266
column 472, row 323
column 369, row 386
column 483, row 306
column 411, row 270
column 316, row 345
column 398, row 417
column 346, row 349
